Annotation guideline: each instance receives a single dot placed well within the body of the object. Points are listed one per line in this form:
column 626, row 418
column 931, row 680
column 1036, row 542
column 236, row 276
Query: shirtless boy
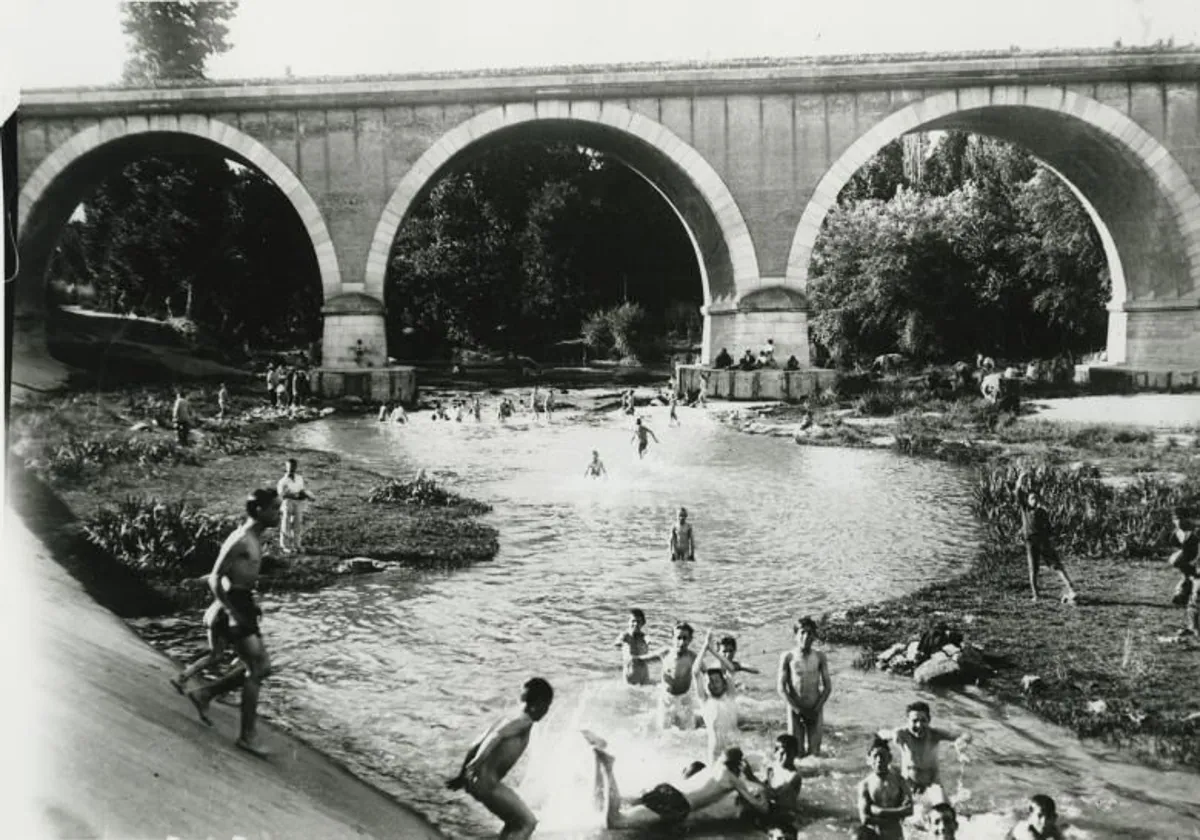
column 675, row 705
column 495, row 752
column 596, row 468
column 633, row 645
column 917, row 744
column 1042, row 822
column 683, row 540
column 728, row 648
column 803, row 683
column 673, row 417
column 942, row 822
column 717, row 705
column 1186, row 560
column 672, row 803
column 1039, row 548
column 234, row 617
column 784, row 779
column 641, row 434
column 883, row 798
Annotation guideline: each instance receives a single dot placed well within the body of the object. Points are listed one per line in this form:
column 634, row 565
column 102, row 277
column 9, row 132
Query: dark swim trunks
column 243, row 602
column 668, row 803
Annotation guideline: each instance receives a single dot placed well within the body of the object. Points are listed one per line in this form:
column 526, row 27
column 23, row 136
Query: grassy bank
column 100, row 477
column 1107, row 667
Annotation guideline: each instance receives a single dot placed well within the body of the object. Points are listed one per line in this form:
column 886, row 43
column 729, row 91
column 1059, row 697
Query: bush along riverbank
column 1109, row 667
column 101, row 478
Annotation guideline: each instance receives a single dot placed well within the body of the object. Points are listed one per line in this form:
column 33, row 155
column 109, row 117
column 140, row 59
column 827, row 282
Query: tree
column 173, row 40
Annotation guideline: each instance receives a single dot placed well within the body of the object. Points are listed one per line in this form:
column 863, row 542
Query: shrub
column 163, row 539
column 597, row 334
column 422, row 492
column 69, row 460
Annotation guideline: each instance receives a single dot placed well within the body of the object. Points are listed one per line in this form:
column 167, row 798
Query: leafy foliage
column 169, row 539
column 172, row 40
column 71, row 459
column 422, row 491
column 985, row 251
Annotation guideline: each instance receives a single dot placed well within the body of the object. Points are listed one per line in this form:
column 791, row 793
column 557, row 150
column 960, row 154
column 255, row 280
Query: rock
column 358, row 566
column 1031, row 683
column 1098, row 707
column 937, row 668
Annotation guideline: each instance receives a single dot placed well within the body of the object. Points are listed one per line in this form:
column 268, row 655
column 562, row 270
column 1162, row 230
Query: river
column 395, row 674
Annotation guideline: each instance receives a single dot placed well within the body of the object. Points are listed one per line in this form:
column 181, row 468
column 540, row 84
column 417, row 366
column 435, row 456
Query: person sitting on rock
column 792, row 363
column 723, row 360
column 748, row 361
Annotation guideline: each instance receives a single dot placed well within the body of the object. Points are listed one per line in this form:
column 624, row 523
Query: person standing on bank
column 293, row 493
column 181, row 415
column 222, row 401
column 1035, row 527
column 232, row 581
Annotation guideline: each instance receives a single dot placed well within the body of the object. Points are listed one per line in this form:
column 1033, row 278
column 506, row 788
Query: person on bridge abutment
column 723, row 361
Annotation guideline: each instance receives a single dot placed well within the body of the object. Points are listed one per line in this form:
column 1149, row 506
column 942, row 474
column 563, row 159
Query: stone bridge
column 751, row 156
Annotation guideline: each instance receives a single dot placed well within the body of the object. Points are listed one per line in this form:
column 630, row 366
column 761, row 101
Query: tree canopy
column 173, row 40
column 986, row 251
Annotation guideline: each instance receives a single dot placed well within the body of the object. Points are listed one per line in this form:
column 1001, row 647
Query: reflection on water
column 395, row 674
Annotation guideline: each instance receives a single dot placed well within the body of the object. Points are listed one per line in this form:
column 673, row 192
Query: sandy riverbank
column 106, row 749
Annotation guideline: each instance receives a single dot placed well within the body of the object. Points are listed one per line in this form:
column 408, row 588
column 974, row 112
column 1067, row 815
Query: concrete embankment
column 101, row 746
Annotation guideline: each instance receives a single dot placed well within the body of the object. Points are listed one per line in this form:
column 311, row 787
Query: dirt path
column 109, row 750
column 1165, row 411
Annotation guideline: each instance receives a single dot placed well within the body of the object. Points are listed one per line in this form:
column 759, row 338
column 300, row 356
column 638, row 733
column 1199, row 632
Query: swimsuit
column 243, row 602
column 666, row 801
column 677, row 709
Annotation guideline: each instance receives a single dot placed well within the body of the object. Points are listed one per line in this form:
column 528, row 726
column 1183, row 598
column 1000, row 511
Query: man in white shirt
column 291, row 525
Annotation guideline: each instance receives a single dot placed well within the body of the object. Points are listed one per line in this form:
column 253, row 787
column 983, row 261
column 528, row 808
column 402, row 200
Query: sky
column 77, row 42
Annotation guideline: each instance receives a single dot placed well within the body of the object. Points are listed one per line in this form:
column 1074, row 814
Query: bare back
column 509, row 748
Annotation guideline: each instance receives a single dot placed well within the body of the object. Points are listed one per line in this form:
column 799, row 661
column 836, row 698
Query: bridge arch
column 47, row 199
column 1144, row 206
column 698, row 195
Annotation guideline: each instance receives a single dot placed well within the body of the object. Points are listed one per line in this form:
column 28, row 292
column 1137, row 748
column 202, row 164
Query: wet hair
column 693, row 768
column 537, row 690
column 260, row 499
column 805, row 623
column 728, row 641
column 292, row 462
column 1180, row 513
column 733, row 757
column 789, row 831
column 1046, row 805
column 918, row 706
column 789, row 743
column 683, row 625
column 878, row 743
column 638, row 615
column 944, row 808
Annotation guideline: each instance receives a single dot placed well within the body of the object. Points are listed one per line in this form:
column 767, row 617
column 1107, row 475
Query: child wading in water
column 642, row 435
column 1042, row 822
column 1035, row 527
column 883, row 797
column 633, row 644
column 683, row 540
column 495, row 752
column 595, row 469
column 675, row 705
column 717, row 704
column 803, row 683
column 918, row 746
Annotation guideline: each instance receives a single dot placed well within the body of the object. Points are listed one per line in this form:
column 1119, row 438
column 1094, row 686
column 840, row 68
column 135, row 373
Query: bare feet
column 251, row 747
column 201, row 707
column 177, row 683
column 593, row 739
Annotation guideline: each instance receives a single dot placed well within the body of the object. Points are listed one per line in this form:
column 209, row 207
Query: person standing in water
column 682, row 543
column 633, row 645
column 675, row 705
column 803, row 683
column 642, row 433
column 596, row 468
column 673, row 417
column 495, row 752
column 232, row 582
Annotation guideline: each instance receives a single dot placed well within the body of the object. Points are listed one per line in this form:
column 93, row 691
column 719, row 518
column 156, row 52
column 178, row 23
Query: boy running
column 675, row 706
column 495, row 752
column 633, row 644
column 673, row 417
column 641, row 434
column 683, row 540
column 883, row 798
column 1035, row 527
column 232, row 581
column 803, row 683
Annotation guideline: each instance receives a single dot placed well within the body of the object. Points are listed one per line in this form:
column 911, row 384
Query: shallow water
column 396, row 674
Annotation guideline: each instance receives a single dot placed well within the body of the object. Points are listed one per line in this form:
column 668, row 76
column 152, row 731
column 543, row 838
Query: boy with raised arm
column 1035, row 527
column 232, row 581
column 675, row 705
column 917, row 744
column 716, row 702
column 883, row 798
column 804, row 684
column 633, row 645
column 495, row 752
column 641, row 434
